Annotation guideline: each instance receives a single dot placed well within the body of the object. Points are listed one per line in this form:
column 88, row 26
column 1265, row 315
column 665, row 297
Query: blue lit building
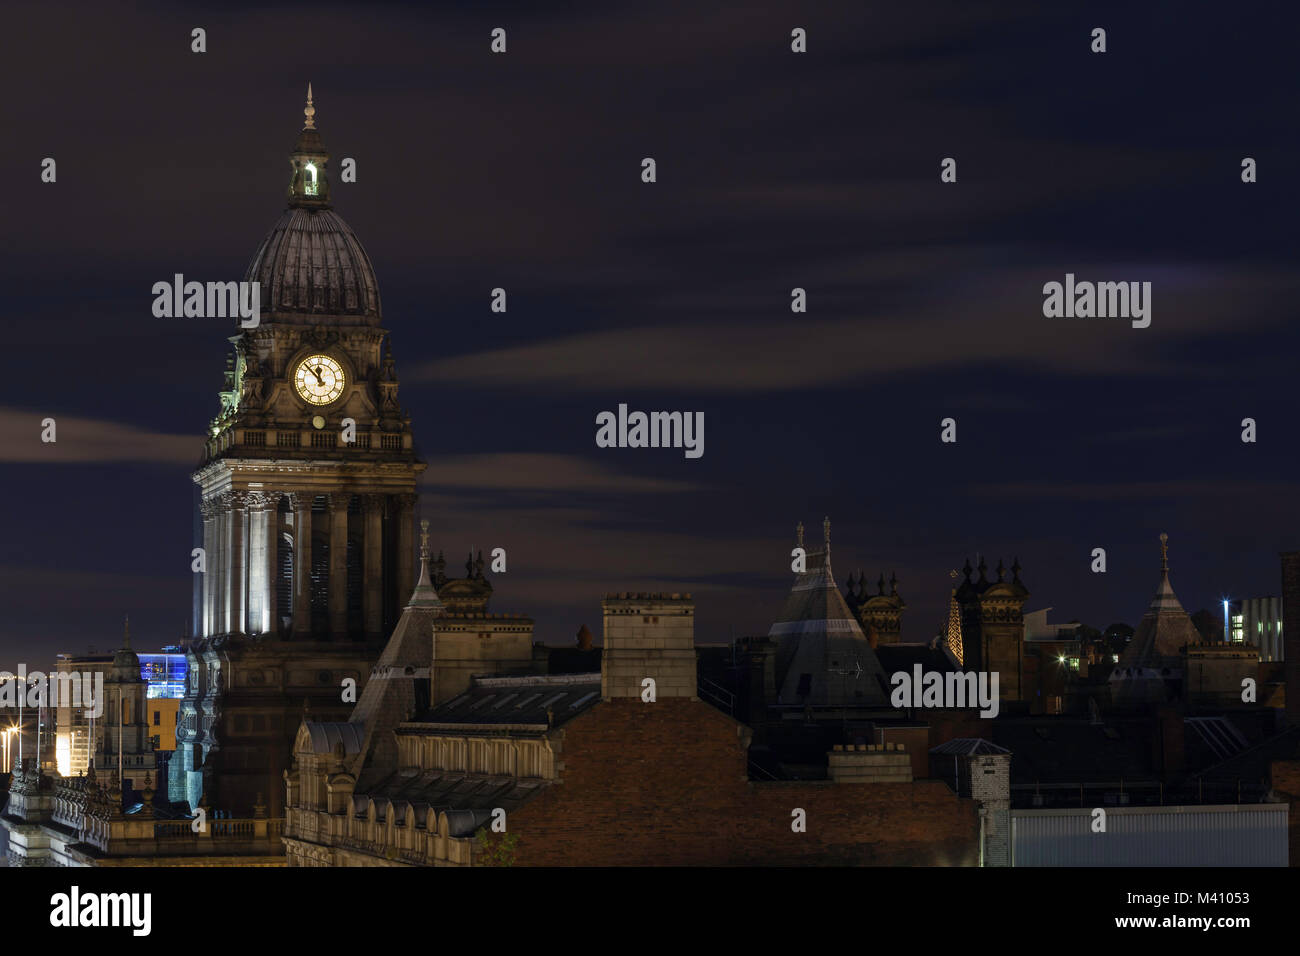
column 164, row 672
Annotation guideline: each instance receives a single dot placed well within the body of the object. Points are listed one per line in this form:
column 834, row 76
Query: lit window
column 309, row 181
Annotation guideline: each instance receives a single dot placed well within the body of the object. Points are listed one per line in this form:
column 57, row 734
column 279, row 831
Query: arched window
column 309, row 179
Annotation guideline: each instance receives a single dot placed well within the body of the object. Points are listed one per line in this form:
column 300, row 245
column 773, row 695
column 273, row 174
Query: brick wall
column 1285, row 779
column 666, row 784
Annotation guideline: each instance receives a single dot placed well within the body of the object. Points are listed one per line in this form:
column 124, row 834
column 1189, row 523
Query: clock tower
column 307, row 493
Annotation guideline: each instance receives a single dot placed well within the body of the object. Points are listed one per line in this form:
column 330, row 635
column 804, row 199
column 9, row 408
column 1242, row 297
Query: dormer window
column 309, row 179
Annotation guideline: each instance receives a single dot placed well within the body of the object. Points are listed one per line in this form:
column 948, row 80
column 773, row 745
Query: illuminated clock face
column 319, row 379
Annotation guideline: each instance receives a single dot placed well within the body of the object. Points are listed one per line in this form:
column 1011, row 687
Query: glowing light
column 63, row 755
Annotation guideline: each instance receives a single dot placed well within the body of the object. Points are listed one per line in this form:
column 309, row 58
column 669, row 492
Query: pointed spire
column 893, row 583
column 424, row 594
column 798, row 535
column 1015, row 570
column 983, row 566
column 309, row 111
column 1164, row 553
column 967, row 568
column 880, row 583
column 1002, row 572
column 826, row 538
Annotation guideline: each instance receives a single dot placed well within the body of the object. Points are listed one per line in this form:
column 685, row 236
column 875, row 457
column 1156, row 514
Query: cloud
column 992, row 321
column 80, row 440
column 1236, row 490
column 532, row 472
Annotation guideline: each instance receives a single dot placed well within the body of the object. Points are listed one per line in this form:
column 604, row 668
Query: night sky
column 775, row 170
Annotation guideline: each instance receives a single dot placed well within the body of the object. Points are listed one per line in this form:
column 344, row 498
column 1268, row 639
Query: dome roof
column 311, row 266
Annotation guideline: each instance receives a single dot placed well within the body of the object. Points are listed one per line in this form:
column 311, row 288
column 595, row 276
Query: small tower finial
column 798, row 535
column 424, row 539
column 826, row 533
column 310, row 111
column 1164, row 551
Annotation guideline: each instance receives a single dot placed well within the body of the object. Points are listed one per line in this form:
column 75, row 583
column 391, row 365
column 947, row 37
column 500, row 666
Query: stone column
column 206, row 623
column 405, row 559
column 271, row 509
column 301, row 504
column 373, row 565
column 238, row 588
column 220, row 562
column 338, row 599
column 255, row 562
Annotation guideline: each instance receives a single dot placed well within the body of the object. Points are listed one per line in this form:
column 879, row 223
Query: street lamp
column 7, row 735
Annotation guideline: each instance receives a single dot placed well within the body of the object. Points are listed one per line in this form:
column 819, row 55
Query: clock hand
column 316, row 372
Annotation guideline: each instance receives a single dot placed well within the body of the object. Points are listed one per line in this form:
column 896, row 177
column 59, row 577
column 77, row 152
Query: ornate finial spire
column 310, row 111
column 880, row 583
column 893, row 582
column 826, row 533
column 798, row 535
column 1164, row 551
column 425, row 594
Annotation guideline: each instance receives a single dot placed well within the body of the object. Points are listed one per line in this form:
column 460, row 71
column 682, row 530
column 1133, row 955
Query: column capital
column 270, row 500
column 406, row 501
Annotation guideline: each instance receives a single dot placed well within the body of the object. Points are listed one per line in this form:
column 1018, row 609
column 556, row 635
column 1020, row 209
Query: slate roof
column 399, row 682
column 1068, row 751
column 902, row 657
column 1163, row 631
column 822, row 657
column 517, row 701
column 325, row 735
column 467, row 798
